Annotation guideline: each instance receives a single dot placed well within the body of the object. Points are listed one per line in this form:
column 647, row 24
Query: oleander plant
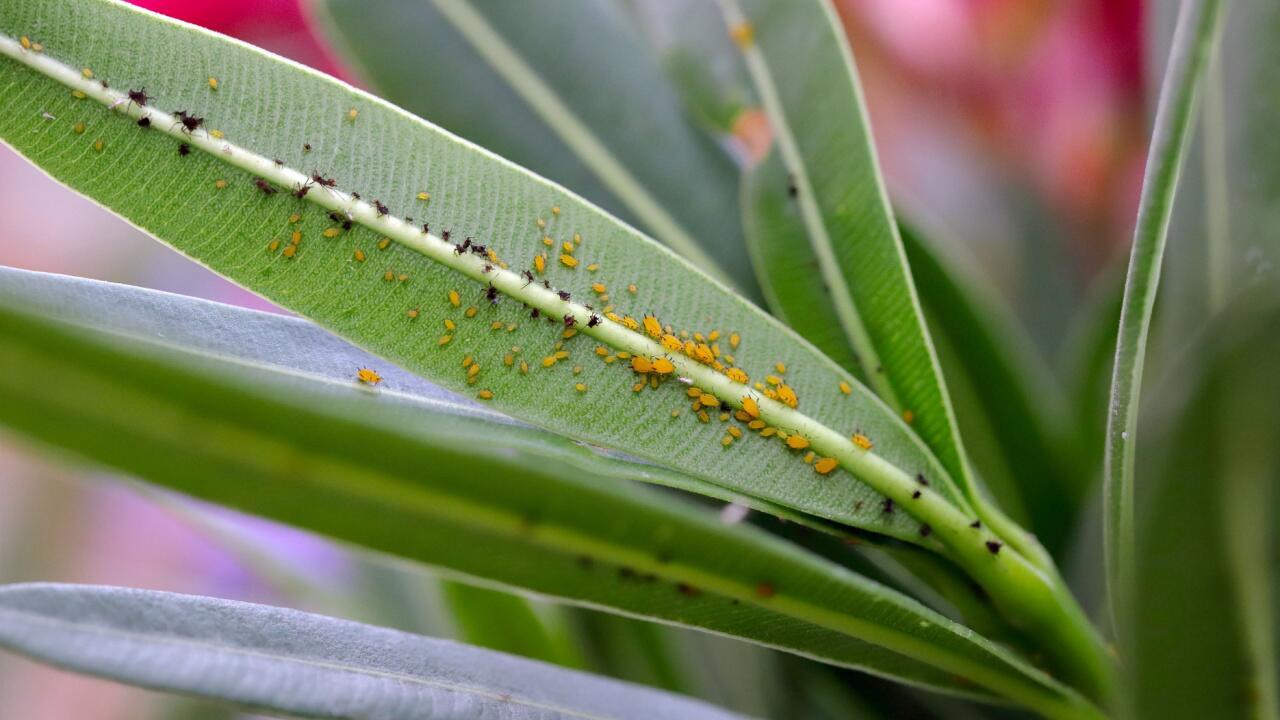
column 559, row 346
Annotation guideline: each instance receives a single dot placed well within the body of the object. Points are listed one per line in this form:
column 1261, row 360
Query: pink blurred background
column 1001, row 117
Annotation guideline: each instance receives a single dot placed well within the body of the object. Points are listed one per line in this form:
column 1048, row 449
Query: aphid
column 302, row 190
column 792, row 190
column 290, row 251
column 190, row 123
column 359, row 257
column 845, row 388
column 426, row 229
column 920, row 479
column 486, row 269
column 332, row 232
column 975, row 524
column 454, row 299
column 862, row 441
column 994, row 546
column 411, row 313
column 491, row 294
column 273, row 246
column 568, row 261
column 887, row 506
column 652, row 327
column 663, row 366
column 278, row 162
column 384, row 243
column 632, row 289
column 25, row 41
column 641, row 364
column 534, row 313
column 546, row 284
column 593, row 321
column 445, row 236
column 79, row 128
column 528, row 277
column 825, row 466
column 737, row 375
column 750, row 406
column 734, row 340
column 368, row 377
column 580, row 387
column 319, row 179
column 797, row 442
column 218, row 135
column 787, row 395
column 540, row 263
column 424, row 196
column 306, row 147
column 444, row 340
column 916, row 495
column 220, row 184
column 351, row 114
column 478, row 249
column 380, row 208
column 213, row 83
column 138, row 97
column 563, row 294
column 908, row 416
column 925, row 529
column 346, row 223
column 485, row 394
column 570, row 321
column 264, row 186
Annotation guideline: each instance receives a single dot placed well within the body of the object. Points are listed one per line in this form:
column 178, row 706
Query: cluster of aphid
column 650, row 371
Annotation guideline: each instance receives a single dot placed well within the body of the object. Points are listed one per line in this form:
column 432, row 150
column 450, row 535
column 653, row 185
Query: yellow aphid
column 756, row 424
column 632, row 288
column 734, row 340
column 78, row 128
column 737, row 433
column 908, row 416
column 567, row 247
column 546, row 240
column 485, row 394
column 630, row 323
column 797, row 442
column 580, row 387
column 368, row 377
column 511, row 327
column 402, row 277
column 495, row 325
column 809, row 457
column 703, row 354
column 844, row 387
column 471, row 311
column 571, row 332
column 87, row 73
column 25, row 42
column 672, row 343
column 743, row 34
column 444, row 340
column 788, row 396
column 540, row 223
column 290, row 251
column 641, row 364
column 741, row 416
column 332, row 232
column 577, row 369
column 384, row 243
column 424, row 196
column 638, row 387
column 295, row 237
column 352, row 114
column 474, row 370
column 737, row 375
column 652, row 326
column 79, row 95
column 768, row 432
column 555, row 209
column 358, row 255
column 294, row 218
column 773, row 380
column 508, row 359
column 466, row 361
column 663, row 366
column 693, row 392
column 602, row 351
column 697, row 337
column 524, row 368
column 217, row 134
column 568, row 261
column 782, row 369
column 562, row 354
column 548, row 361
column 273, row 246
column 675, row 413
column 412, row 314
column 727, row 440
column 862, row 441
column 213, row 83
column 713, row 336
column 454, row 299
column 751, row 407
column 598, row 288
column 450, row 325
column 703, row 416
column 220, row 183
column 709, row 400
column 540, row 263
column 593, row 267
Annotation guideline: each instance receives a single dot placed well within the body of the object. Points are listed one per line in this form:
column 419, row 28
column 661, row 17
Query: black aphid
column 975, row 524
column 993, row 547
column 139, row 97
column 302, row 190
column 593, row 321
column 887, row 506
column 534, row 313
column 382, row 209
column 920, row 479
column 278, row 162
column 426, row 229
column 564, row 295
column 916, row 495
column 144, row 122
column 492, row 294
column 445, row 236
column 184, row 149
column 570, row 321
column 190, row 123
column 319, row 179
column 528, row 278
column 486, row 269
column 925, row 529
column 264, row 186
column 306, row 147
column 792, row 190
column 546, row 284
column 355, row 194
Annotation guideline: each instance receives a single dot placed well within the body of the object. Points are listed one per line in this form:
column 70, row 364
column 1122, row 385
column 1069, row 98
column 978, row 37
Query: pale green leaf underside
column 423, row 488
column 271, row 107
column 303, row 665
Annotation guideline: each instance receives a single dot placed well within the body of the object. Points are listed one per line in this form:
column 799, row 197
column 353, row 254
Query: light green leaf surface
column 1192, row 45
column 426, row 490
column 566, row 89
column 303, row 665
column 389, row 155
column 803, row 71
column 1201, row 607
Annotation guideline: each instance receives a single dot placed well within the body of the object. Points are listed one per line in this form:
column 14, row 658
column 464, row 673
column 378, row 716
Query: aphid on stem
column 144, row 122
column 190, row 123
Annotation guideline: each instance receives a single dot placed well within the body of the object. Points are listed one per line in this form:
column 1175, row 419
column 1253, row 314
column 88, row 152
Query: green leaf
column 284, row 661
column 803, row 70
column 205, row 204
column 568, row 90
column 419, row 485
column 1193, row 43
column 1200, row 611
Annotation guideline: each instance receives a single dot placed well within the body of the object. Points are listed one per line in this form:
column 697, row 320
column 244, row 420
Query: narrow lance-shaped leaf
column 400, row 288
column 303, row 665
column 567, row 90
column 428, row 491
column 1192, row 45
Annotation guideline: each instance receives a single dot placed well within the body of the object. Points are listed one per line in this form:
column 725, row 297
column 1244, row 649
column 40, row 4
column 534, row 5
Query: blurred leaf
column 1201, row 611
column 352, row 468
column 566, row 89
column 505, row 622
column 1193, row 43
column 161, row 191
column 304, row 665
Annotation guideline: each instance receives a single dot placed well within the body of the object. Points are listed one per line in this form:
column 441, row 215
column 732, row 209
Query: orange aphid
column 663, row 366
column 652, row 326
column 751, row 407
column 641, row 364
column 368, row 377
column 825, row 465
column 797, row 442
column 737, row 375
column 862, row 441
column 787, row 395
column 672, row 343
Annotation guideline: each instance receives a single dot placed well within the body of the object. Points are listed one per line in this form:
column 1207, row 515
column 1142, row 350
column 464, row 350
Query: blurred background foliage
column 1011, row 132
